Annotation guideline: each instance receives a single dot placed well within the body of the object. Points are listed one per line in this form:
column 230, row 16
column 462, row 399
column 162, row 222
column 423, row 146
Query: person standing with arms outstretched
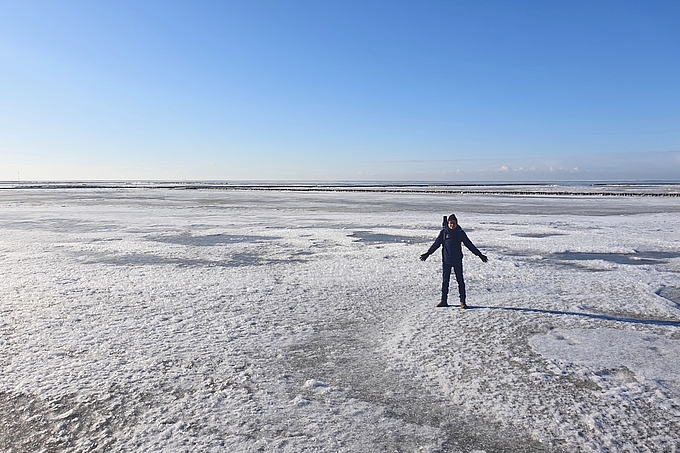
column 450, row 238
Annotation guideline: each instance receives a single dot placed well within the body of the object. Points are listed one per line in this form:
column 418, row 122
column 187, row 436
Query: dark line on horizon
column 404, row 188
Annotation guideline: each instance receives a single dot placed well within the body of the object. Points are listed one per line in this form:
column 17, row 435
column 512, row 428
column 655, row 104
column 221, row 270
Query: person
column 450, row 238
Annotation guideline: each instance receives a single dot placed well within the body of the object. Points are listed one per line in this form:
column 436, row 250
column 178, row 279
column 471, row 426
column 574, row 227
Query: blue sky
column 319, row 90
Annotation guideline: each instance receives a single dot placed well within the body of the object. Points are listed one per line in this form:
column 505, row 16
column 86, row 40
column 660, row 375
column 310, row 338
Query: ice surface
column 650, row 357
column 158, row 319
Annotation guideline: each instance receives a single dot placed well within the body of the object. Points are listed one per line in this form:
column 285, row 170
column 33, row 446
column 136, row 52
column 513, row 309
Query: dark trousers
column 446, row 277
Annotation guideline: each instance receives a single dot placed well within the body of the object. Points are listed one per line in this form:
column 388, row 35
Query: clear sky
column 340, row 90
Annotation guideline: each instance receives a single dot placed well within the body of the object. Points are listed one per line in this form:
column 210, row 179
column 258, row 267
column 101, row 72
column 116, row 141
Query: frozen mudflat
column 160, row 319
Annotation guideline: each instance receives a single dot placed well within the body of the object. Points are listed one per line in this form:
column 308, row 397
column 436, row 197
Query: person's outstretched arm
column 468, row 243
column 434, row 247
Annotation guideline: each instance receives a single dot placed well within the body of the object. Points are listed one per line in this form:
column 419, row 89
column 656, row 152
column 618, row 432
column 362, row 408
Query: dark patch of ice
column 212, row 239
column 60, row 225
column 621, row 375
column 537, row 235
column 235, row 260
column 382, row 238
column 637, row 258
column 671, row 293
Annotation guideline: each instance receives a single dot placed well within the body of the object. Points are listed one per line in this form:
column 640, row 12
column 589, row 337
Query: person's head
column 453, row 221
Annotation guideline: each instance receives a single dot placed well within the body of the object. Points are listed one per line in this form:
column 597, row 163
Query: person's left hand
column 483, row 258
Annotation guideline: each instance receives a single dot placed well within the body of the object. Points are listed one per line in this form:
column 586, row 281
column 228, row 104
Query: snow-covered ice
column 162, row 319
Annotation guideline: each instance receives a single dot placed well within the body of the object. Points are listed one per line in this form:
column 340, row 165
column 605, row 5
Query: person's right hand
column 424, row 256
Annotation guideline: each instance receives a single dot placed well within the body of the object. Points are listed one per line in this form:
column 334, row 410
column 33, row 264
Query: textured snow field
column 235, row 320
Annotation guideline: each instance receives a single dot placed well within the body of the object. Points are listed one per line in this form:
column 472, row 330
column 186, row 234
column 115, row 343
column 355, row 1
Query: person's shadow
column 654, row 322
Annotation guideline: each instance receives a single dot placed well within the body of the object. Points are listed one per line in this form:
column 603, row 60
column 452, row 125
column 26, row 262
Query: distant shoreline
column 602, row 189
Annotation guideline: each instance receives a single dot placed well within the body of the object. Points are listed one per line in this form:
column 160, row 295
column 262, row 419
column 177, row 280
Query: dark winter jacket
column 451, row 240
